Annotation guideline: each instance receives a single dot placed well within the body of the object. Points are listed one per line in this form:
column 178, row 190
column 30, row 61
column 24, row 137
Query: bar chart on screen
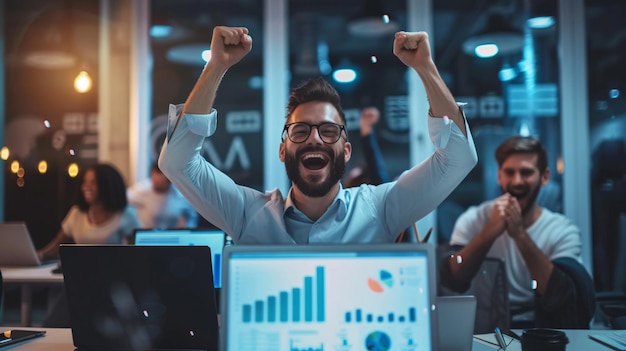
column 274, row 308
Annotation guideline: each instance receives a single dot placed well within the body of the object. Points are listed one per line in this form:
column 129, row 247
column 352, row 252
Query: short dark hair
column 522, row 145
column 111, row 188
column 315, row 89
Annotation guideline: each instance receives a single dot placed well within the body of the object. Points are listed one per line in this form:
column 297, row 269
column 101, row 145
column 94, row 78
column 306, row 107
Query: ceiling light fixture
column 373, row 21
column 498, row 37
column 189, row 54
column 541, row 22
column 49, row 43
column 541, row 14
column 345, row 72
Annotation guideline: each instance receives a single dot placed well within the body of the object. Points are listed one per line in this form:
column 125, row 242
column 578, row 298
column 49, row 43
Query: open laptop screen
column 211, row 237
column 17, row 248
column 341, row 297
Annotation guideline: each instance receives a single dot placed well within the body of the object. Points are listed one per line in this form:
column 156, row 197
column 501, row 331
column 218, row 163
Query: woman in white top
column 100, row 216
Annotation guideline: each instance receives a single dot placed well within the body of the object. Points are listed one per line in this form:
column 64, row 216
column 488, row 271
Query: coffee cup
column 543, row 339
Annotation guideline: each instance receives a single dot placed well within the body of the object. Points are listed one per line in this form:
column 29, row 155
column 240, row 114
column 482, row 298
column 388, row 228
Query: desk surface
column 31, row 275
column 60, row 339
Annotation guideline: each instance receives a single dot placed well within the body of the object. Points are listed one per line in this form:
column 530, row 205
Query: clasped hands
column 506, row 215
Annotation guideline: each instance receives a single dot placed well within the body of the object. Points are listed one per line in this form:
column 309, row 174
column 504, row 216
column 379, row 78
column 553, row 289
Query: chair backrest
column 490, row 288
column 576, row 311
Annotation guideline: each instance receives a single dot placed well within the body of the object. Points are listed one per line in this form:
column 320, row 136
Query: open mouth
column 314, row 161
column 519, row 193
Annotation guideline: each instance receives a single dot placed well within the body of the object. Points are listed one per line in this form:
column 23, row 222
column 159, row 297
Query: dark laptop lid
column 140, row 297
column 211, row 236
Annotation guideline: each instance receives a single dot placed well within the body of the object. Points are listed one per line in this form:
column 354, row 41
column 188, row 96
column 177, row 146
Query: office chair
column 490, row 287
column 574, row 308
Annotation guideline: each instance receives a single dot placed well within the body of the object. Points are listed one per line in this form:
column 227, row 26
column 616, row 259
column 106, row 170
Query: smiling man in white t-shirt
column 531, row 240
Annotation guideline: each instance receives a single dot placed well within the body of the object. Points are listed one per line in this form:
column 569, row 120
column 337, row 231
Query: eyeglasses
column 299, row 132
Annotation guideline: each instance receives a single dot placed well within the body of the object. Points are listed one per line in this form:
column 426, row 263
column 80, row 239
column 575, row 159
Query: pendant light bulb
column 82, row 82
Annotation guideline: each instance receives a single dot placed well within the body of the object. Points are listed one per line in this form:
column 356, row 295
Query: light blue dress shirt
column 365, row 214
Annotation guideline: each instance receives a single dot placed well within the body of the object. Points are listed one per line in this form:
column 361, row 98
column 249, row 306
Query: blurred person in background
column 101, row 214
column 159, row 204
column 373, row 171
column 547, row 284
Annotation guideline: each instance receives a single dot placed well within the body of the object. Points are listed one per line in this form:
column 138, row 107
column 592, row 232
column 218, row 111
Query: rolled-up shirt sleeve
column 422, row 188
column 211, row 192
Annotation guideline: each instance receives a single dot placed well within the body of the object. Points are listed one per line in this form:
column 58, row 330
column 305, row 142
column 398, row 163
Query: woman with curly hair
column 101, row 214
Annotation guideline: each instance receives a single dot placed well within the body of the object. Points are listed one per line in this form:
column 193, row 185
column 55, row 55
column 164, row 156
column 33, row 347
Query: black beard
column 292, row 165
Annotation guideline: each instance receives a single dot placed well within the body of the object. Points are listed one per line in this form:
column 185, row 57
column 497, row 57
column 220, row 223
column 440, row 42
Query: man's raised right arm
column 228, row 46
column 211, row 192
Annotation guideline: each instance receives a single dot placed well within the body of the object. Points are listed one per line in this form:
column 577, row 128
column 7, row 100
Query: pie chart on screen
column 377, row 341
column 385, row 280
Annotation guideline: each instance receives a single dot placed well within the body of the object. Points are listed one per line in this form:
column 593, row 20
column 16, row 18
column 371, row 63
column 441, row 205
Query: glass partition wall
column 518, row 90
column 350, row 44
column 511, row 88
column 180, row 36
column 606, row 55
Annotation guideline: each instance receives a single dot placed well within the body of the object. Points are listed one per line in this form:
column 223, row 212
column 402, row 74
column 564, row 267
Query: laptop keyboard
column 619, row 336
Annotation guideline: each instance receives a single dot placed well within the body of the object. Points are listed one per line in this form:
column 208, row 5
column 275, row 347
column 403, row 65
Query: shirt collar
column 341, row 200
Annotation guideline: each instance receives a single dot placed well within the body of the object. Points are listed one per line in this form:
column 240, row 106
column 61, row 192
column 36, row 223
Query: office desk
column 578, row 341
column 60, row 339
column 26, row 278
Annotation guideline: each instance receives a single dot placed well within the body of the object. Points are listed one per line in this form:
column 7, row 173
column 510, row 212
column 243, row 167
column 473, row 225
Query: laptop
column 328, row 297
column 211, row 237
column 455, row 318
column 17, row 247
column 128, row 297
column 18, row 336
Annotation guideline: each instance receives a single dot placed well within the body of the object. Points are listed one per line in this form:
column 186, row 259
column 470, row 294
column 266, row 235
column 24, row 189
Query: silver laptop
column 328, row 297
column 455, row 316
column 17, row 247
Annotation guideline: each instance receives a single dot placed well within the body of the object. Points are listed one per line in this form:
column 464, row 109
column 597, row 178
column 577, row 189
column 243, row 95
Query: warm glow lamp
column 4, row 153
column 82, row 82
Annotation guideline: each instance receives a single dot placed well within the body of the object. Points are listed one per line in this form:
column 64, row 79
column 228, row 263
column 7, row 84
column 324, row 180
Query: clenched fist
column 412, row 48
column 229, row 45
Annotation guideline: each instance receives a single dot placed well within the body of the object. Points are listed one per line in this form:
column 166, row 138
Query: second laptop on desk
column 17, row 249
column 140, row 297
